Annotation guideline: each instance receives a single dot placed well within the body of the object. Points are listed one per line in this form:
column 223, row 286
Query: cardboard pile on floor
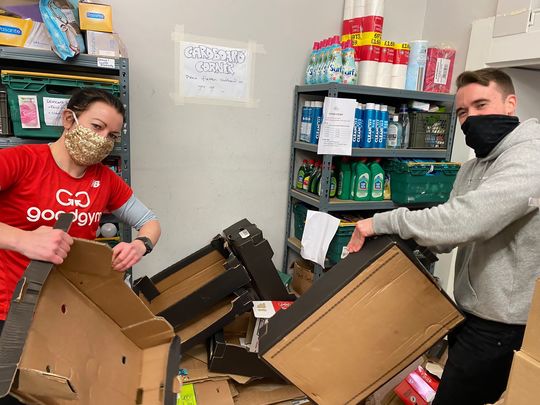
column 76, row 333
column 523, row 387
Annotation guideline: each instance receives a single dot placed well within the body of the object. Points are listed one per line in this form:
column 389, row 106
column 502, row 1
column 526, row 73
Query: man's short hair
column 484, row 77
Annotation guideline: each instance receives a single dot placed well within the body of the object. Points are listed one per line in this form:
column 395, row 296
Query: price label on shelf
column 107, row 63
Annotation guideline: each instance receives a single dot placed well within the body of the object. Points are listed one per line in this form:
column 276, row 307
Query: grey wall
column 202, row 167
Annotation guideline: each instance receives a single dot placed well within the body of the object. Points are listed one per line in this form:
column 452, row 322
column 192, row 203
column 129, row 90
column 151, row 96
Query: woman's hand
column 46, row 244
column 362, row 230
column 126, row 255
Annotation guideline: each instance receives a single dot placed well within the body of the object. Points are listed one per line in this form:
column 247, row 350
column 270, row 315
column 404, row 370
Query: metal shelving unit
column 46, row 61
column 363, row 94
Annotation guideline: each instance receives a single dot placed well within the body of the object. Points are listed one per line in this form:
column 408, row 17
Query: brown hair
column 82, row 98
column 486, row 76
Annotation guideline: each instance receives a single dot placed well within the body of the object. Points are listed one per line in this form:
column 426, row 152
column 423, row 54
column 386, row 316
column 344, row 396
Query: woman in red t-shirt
column 38, row 182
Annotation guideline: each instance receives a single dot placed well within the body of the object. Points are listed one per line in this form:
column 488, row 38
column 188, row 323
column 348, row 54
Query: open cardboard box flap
column 367, row 319
column 77, row 331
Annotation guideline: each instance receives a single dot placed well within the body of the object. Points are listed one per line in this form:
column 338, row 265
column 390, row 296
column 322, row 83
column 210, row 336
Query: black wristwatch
column 147, row 244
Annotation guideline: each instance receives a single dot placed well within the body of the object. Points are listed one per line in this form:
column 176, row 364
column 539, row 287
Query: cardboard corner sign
column 85, row 336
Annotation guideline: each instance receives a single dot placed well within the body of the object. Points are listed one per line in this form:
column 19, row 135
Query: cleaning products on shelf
column 301, row 174
column 395, row 134
column 404, row 120
column 316, row 120
column 377, row 181
column 363, row 182
column 344, row 180
column 310, row 70
column 315, row 178
column 357, row 129
column 370, row 126
column 334, row 68
column 332, row 186
column 350, row 75
column 307, row 175
column 306, row 121
column 384, row 126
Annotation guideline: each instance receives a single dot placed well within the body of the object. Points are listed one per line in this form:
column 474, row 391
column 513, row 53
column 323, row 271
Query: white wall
column 202, row 167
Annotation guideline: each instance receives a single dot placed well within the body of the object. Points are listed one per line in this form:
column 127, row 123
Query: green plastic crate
column 46, row 85
column 300, row 213
column 421, row 182
column 340, row 240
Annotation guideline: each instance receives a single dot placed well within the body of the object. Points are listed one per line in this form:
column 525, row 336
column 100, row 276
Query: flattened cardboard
column 266, row 393
column 188, row 288
column 378, row 307
column 87, row 333
column 523, row 387
column 214, row 319
column 248, row 244
column 531, row 340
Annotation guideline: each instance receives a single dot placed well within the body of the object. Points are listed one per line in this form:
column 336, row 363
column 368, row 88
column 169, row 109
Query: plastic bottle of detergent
column 328, row 59
column 376, row 192
column 363, row 182
column 335, row 65
column 350, row 75
column 353, row 180
column 315, row 178
column 404, row 120
column 307, row 175
column 310, row 70
column 344, row 180
column 316, row 120
column 370, row 126
column 301, row 174
column 394, row 138
column 333, row 183
column 321, row 62
column 384, row 124
column 306, row 122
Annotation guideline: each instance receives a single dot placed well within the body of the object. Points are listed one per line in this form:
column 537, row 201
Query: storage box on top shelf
column 95, row 17
column 35, row 109
column 76, row 333
column 370, row 316
column 191, row 293
column 105, row 44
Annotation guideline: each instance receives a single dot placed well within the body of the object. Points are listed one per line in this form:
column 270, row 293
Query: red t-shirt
column 34, row 190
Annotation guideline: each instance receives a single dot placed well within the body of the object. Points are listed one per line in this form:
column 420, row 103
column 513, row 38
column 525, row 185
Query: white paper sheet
column 319, row 230
column 337, row 126
column 52, row 110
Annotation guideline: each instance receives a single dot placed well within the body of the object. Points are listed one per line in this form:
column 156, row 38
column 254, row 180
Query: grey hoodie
column 493, row 218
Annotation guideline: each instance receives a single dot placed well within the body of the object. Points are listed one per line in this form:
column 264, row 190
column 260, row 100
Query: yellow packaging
column 95, row 17
column 14, row 31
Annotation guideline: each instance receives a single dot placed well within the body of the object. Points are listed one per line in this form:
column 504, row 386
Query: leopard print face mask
column 85, row 146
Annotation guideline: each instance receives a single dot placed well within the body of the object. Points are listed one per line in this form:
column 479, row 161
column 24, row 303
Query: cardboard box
column 248, row 244
column 14, row 31
column 378, row 307
column 77, row 332
column 302, row 276
column 514, row 17
column 103, row 44
column 523, row 387
column 194, row 285
column 227, row 354
column 531, row 340
column 95, row 17
column 206, row 324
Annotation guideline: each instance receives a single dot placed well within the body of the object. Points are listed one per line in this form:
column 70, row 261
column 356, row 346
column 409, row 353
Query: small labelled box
column 95, row 17
column 104, row 44
column 248, row 244
column 439, row 69
column 76, row 333
column 228, row 353
column 186, row 290
column 14, row 31
column 379, row 308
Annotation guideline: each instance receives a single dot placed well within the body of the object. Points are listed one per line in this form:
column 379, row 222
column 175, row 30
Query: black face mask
column 484, row 132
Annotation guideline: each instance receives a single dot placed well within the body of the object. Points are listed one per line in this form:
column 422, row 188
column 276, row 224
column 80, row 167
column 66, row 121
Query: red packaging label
column 387, row 52
column 408, row 395
column 401, row 56
column 373, row 23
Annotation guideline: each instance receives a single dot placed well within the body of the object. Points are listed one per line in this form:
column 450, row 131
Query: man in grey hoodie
column 493, row 218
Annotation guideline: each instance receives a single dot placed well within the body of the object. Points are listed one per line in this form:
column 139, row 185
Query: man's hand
column 46, row 244
column 126, row 255
column 362, row 230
